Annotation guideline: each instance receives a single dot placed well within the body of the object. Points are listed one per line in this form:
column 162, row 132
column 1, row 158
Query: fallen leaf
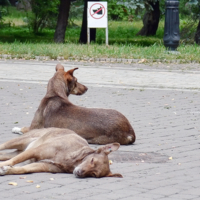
column 22, row 177
column 37, row 186
column 51, row 179
column 170, row 158
column 12, row 183
column 29, row 181
column 142, row 61
column 179, row 163
column 110, row 162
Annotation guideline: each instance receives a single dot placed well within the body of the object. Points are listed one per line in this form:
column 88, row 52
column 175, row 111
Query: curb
column 108, row 60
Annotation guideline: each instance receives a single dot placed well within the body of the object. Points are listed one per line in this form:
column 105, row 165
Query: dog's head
column 71, row 83
column 97, row 163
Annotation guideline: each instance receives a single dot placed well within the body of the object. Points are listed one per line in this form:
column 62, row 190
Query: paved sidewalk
column 110, row 75
column 162, row 104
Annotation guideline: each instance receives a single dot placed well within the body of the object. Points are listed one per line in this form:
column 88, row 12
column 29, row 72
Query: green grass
column 70, row 50
column 18, row 41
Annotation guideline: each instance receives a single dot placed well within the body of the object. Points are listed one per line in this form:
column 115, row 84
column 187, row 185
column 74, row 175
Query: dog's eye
column 94, row 175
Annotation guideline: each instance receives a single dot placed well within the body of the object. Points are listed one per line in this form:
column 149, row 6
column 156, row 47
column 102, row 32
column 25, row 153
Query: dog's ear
column 114, row 175
column 59, row 67
column 71, row 71
column 109, row 148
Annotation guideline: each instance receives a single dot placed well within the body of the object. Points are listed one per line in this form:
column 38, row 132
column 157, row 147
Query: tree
column 150, row 20
column 83, row 34
column 195, row 11
column 151, row 17
column 197, row 34
column 62, row 22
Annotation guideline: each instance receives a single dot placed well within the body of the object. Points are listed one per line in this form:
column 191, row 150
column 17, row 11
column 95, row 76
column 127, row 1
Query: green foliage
column 44, row 14
column 132, row 4
column 117, row 11
column 3, row 10
column 189, row 8
column 189, row 15
column 194, row 6
column 76, row 12
column 137, row 4
column 183, row 8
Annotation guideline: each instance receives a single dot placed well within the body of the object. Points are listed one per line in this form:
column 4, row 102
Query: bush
column 190, row 12
column 44, row 14
column 3, row 10
column 76, row 12
column 116, row 11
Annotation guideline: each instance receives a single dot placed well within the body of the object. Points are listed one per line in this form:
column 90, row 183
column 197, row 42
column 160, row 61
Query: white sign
column 97, row 15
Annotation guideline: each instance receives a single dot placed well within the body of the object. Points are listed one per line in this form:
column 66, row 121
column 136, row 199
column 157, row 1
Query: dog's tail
column 131, row 139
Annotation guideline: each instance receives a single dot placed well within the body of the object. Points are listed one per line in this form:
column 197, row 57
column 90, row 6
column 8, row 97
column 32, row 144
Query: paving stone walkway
column 162, row 104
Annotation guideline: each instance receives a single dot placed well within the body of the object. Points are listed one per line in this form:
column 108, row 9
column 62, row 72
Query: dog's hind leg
column 6, row 156
column 20, row 131
column 30, row 168
column 25, row 155
column 19, row 143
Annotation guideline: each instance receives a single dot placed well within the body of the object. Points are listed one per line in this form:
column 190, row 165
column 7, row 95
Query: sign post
column 97, row 17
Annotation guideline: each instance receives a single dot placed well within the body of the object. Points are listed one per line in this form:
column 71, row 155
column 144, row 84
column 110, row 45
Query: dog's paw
column 3, row 170
column 17, row 130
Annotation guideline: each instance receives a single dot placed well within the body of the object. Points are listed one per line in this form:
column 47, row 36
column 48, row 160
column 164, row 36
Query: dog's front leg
column 30, row 168
column 38, row 120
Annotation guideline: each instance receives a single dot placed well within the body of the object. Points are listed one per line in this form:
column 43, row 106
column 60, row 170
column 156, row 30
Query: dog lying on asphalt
column 97, row 126
column 57, row 151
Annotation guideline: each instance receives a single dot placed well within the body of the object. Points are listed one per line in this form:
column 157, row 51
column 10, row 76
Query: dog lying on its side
column 56, row 150
column 97, row 126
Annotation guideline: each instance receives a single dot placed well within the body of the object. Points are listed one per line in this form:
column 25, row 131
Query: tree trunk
column 197, row 34
column 150, row 20
column 59, row 36
column 83, row 34
column 13, row 2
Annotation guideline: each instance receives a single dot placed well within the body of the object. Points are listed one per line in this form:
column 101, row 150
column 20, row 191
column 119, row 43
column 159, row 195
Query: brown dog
column 97, row 126
column 56, row 150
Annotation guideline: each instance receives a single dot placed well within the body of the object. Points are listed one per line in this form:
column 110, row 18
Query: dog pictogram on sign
column 97, row 11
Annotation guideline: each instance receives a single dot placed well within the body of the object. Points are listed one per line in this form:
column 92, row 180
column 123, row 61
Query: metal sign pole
column 88, row 29
column 88, row 35
column 107, row 35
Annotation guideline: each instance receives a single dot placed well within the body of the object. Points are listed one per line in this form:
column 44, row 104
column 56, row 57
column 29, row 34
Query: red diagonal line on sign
column 97, row 11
